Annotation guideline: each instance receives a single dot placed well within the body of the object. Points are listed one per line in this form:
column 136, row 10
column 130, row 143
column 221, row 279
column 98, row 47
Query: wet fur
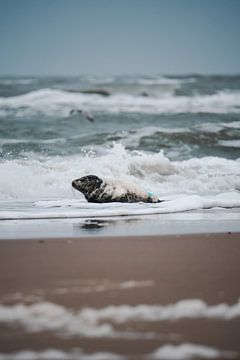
column 102, row 191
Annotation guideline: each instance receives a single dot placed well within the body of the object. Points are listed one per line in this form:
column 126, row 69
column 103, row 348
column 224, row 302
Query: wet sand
column 102, row 271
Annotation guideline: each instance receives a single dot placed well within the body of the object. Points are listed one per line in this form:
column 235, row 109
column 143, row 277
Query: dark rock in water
column 144, row 93
column 101, row 92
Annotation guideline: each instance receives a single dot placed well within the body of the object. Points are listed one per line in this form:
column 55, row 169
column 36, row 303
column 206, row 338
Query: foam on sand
column 183, row 351
column 54, row 354
column 189, row 351
column 90, row 322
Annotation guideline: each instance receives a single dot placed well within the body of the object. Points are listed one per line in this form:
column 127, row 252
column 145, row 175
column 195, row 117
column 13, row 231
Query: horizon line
column 190, row 74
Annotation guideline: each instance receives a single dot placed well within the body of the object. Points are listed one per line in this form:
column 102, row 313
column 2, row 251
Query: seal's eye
column 99, row 182
column 93, row 179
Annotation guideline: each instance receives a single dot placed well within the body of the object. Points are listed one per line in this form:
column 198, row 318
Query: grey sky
column 70, row 37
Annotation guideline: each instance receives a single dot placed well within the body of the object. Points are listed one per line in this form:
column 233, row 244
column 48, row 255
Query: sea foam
column 62, row 209
column 184, row 351
column 189, row 351
column 36, row 177
column 91, row 322
column 55, row 354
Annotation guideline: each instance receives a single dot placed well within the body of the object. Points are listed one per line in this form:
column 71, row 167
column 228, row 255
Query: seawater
column 177, row 136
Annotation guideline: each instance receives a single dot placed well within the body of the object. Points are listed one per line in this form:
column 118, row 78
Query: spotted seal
column 99, row 190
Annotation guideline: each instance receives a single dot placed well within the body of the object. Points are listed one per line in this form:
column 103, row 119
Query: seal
column 99, row 190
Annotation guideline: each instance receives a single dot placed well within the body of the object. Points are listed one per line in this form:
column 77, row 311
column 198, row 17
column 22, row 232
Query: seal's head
column 87, row 184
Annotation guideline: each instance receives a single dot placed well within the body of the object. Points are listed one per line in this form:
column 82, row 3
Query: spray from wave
column 52, row 176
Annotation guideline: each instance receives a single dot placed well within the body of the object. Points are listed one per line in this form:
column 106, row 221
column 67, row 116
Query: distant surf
column 53, row 102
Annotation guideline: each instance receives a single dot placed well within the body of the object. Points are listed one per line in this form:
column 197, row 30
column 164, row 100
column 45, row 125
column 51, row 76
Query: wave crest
column 59, row 103
column 52, row 176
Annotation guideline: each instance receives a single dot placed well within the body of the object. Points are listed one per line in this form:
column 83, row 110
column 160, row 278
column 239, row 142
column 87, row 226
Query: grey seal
column 100, row 190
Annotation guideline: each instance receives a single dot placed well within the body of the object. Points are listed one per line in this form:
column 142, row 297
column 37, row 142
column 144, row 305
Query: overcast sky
column 71, row 37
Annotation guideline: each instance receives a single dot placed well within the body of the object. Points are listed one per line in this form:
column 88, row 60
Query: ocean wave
column 232, row 124
column 52, row 176
column 177, row 82
column 177, row 142
column 142, row 80
column 181, row 142
column 74, row 137
column 17, row 81
column 59, row 103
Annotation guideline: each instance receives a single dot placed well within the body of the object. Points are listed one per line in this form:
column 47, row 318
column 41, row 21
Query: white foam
column 209, row 127
column 54, row 354
column 91, row 322
column 183, row 351
column 191, row 309
column 55, row 318
column 232, row 124
column 51, row 177
column 187, row 351
column 59, row 102
column 230, row 143
column 60, row 209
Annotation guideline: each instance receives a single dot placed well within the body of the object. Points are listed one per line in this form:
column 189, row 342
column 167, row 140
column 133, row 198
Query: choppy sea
column 177, row 136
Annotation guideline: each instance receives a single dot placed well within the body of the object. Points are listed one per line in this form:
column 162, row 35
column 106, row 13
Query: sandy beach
column 73, row 274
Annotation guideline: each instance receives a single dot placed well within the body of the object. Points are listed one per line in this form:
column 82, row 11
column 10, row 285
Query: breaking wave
column 48, row 177
column 59, row 103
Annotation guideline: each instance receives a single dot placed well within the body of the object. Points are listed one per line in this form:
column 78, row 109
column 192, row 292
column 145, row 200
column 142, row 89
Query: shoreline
column 113, row 238
column 191, row 222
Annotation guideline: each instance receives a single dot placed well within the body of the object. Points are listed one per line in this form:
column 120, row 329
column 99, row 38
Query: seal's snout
column 74, row 184
column 87, row 183
column 77, row 184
